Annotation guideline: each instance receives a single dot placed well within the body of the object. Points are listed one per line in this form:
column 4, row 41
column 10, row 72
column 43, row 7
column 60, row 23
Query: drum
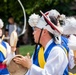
column 16, row 69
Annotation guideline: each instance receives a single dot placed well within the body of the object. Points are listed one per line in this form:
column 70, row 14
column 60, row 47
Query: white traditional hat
column 41, row 23
column 1, row 23
column 48, row 24
column 36, row 21
column 69, row 26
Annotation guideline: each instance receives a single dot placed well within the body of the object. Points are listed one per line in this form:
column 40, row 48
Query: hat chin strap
column 39, row 39
column 40, row 36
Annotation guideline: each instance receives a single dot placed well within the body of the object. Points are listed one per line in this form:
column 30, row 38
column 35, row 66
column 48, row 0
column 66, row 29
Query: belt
column 2, row 66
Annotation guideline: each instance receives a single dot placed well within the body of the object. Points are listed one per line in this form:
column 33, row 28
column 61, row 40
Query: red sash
column 2, row 66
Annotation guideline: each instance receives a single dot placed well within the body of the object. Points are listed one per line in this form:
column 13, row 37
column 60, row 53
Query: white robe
column 71, row 59
column 9, row 54
column 55, row 64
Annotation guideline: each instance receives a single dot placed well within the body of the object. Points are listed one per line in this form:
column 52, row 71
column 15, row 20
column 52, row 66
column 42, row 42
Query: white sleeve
column 10, row 54
column 8, row 48
column 71, row 59
column 55, row 64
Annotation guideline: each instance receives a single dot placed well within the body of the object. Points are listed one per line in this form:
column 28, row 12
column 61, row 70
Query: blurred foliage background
column 26, row 49
column 13, row 8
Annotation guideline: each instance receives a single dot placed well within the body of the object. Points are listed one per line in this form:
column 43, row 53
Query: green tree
column 12, row 7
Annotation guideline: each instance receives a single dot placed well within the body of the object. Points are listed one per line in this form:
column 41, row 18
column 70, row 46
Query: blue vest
column 46, row 54
column 2, row 58
column 64, row 42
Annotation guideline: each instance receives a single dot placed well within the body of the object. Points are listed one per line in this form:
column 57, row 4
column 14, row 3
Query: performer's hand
column 13, row 49
column 4, row 62
column 24, row 61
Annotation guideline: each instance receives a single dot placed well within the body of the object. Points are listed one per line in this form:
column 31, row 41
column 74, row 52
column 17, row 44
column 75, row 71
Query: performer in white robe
column 4, row 52
column 69, row 27
column 50, row 58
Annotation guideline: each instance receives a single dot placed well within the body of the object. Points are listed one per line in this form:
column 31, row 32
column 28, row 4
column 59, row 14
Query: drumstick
column 3, row 37
column 28, row 55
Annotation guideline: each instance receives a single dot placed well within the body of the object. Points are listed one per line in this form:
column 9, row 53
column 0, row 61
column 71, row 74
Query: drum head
column 16, row 69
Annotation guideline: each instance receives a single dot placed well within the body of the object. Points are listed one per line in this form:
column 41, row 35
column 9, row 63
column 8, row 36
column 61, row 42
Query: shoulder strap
column 43, row 57
column 35, row 55
column 4, row 44
column 3, row 48
column 64, row 42
column 48, row 50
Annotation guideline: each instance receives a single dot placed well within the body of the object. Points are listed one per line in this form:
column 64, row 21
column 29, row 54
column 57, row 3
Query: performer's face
column 36, row 34
column 11, row 20
column 0, row 32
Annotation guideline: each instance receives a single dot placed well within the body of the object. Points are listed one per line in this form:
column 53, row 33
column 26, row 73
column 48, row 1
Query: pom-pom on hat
column 60, row 17
column 69, row 26
column 72, row 42
column 1, row 23
column 33, row 20
column 54, row 13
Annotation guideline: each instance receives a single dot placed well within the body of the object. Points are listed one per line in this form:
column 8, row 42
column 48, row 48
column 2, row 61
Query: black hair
column 53, row 20
column 10, row 16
